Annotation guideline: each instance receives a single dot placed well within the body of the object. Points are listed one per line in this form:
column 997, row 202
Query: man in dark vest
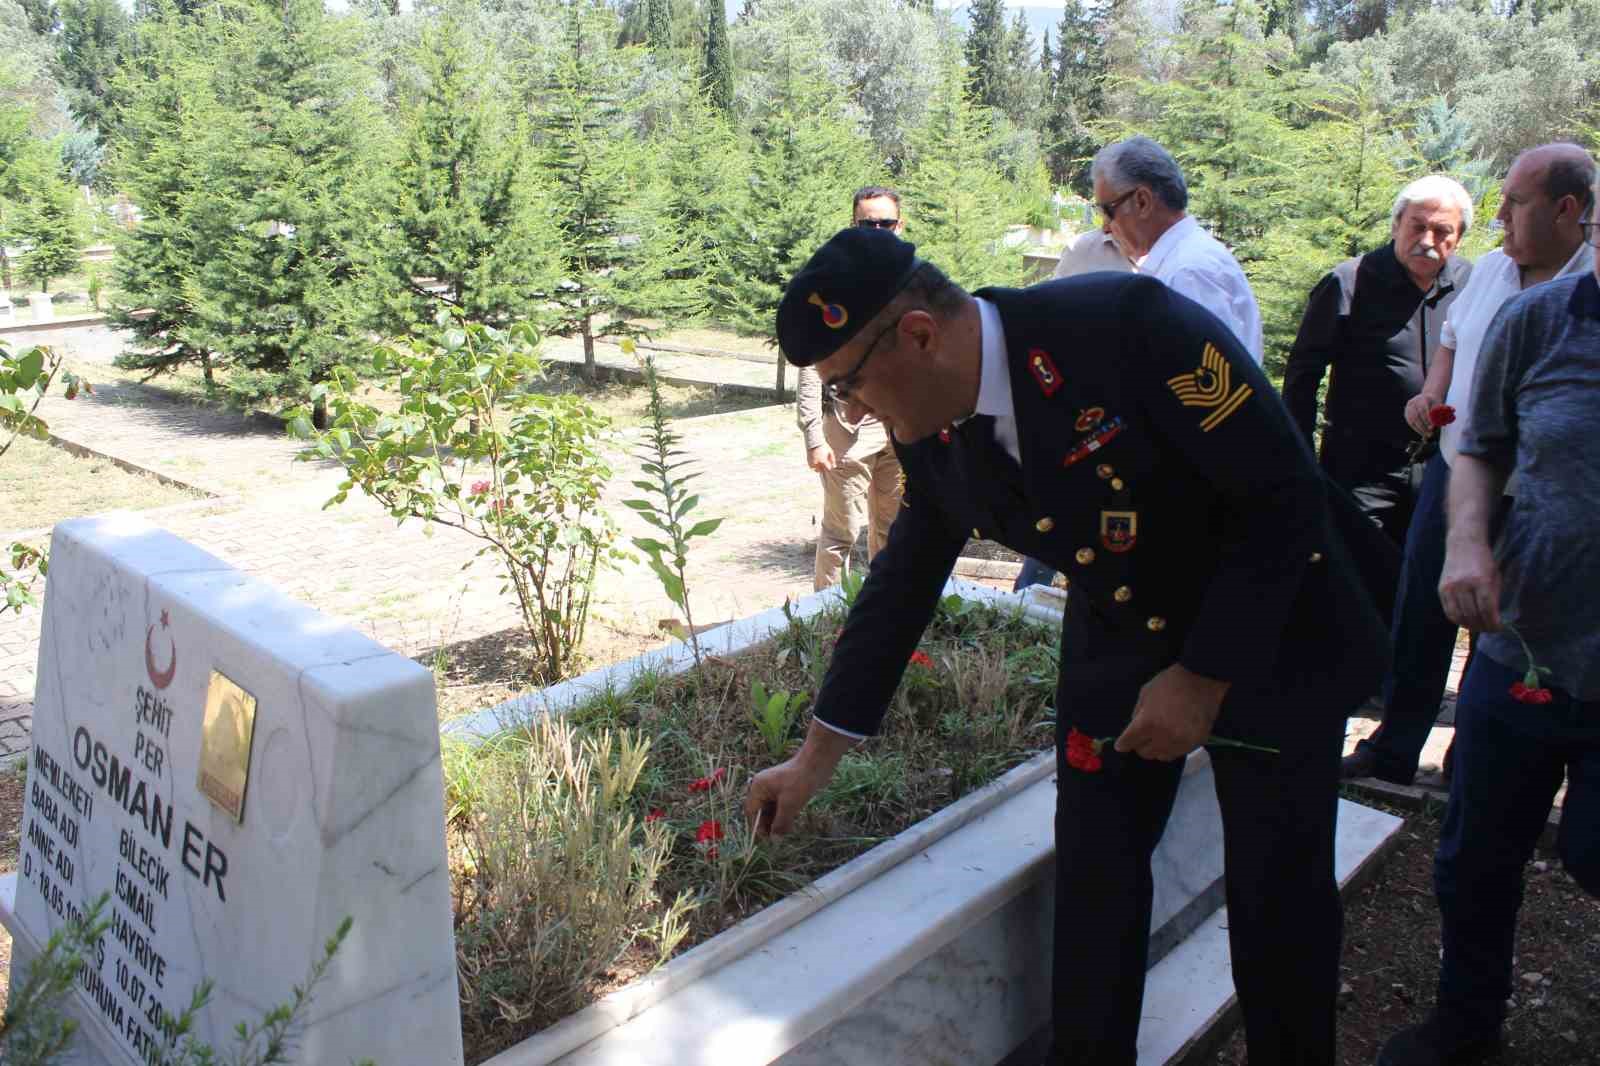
column 1115, row 430
column 1375, row 320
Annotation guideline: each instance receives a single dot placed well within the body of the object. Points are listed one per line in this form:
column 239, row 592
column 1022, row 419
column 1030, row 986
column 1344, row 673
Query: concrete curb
column 83, row 451
column 1415, row 798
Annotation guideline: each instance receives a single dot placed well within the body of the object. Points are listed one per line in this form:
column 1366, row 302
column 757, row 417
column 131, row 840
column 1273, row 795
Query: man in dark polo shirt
column 1375, row 321
column 1117, row 431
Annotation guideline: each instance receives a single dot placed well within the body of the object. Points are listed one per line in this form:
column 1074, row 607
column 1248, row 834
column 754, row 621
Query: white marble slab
column 342, row 813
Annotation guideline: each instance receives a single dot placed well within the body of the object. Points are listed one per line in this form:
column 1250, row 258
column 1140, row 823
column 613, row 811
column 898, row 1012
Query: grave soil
column 1391, row 961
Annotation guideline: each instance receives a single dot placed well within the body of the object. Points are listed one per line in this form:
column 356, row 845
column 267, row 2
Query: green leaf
column 702, row 528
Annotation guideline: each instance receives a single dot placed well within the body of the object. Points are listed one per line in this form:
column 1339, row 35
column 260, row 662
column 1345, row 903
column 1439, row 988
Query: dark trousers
column 1509, row 762
column 1424, row 638
column 1378, row 474
column 1033, row 572
column 1284, row 916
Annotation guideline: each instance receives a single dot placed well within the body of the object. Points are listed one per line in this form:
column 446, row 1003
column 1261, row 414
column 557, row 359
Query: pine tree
column 985, row 51
column 459, row 204
column 1019, row 81
column 956, row 199
column 165, row 119
column 806, row 159
column 51, row 221
column 617, row 259
column 93, row 34
column 718, row 73
column 701, row 172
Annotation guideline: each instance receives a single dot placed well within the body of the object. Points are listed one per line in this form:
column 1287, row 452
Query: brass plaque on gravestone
column 225, row 735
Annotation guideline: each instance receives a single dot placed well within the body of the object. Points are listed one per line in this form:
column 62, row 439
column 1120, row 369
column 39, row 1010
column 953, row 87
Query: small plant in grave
column 472, row 449
column 774, row 714
column 25, row 378
column 670, row 505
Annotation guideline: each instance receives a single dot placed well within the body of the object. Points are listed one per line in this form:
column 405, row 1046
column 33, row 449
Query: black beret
column 845, row 283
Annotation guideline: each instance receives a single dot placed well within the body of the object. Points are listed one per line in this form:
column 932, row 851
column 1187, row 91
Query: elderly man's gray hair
column 1141, row 161
column 1434, row 189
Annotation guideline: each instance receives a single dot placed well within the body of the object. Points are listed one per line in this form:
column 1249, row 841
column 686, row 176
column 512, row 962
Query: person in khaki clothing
column 859, row 471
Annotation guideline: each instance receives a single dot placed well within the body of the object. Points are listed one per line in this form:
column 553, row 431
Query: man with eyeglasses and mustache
column 859, row 472
column 1376, row 320
column 1119, row 432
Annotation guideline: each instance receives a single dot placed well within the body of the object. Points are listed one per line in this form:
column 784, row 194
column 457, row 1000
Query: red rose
column 478, row 488
column 1083, row 752
column 655, row 815
column 920, row 658
column 1441, row 416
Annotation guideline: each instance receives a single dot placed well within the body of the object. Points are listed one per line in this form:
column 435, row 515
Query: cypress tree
column 93, row 34
column 985, row 51
column 51, row 220
column 658, row 25
column 717, row 77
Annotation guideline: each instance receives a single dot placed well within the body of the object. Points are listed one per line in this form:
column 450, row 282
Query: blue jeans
column 1424, row 639
column 1033, row 573
column 1509, row 762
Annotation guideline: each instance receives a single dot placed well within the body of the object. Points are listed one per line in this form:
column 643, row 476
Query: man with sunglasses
column 858, row 469
column 1142, row 197
column 1119, row 432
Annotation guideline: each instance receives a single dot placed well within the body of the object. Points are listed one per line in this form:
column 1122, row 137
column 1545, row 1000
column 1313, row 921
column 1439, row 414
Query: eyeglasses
column 1109, row 211
column 877, row 223
column 1591, row 233
column 840, row 388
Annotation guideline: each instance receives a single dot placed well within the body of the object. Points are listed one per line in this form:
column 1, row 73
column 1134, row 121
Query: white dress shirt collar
column 1166, row 244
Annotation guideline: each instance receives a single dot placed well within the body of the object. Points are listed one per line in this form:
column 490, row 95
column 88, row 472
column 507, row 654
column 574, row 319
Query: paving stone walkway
column 402, row 585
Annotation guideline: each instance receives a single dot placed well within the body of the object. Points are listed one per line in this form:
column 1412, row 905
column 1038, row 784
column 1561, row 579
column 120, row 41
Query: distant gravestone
column 241, row 774
column 43, row 308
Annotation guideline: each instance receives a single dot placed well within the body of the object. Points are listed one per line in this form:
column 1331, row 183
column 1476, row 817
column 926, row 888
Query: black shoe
column 1437, row 1043
column 1359, row 763
column 1363, row 762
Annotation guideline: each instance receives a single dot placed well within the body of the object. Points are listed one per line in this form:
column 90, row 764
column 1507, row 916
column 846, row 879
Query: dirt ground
column 1391, row 961
column 1391, row 954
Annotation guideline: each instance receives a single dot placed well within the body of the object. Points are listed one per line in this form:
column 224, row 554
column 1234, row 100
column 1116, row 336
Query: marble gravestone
column 240, row 774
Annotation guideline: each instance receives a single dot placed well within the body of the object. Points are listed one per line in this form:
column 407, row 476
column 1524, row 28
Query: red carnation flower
column 709, row 833
column 705, row 783
column 920, row 658
column 655, row 815
column 1083, row 752
column 1530, row 693
column 1441, row 416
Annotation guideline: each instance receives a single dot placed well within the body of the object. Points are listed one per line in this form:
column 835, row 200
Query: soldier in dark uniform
column 1119, row 432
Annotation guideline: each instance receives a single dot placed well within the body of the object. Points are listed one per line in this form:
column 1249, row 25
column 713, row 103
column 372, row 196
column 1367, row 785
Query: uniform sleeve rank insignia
column 1208, row 386
column 1119, row 530
column 1094, row 441
column 1044, row 370
column 1087, row 420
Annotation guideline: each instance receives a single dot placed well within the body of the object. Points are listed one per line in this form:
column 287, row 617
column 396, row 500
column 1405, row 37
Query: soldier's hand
column 1417, row 409
column 1469, row 586
column 820, row 458
column 778, row 793
column 1174, row 715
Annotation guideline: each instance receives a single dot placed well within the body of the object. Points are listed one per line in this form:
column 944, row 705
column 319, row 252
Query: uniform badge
column 1094, row 441
column 1210, row 386
column 1044, row 370
column 834, row 316
column 1119, row 530
column 944, row 436
column 1087, row 420
column 1104, row 470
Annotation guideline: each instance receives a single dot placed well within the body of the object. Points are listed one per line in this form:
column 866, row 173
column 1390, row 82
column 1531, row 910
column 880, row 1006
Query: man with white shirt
column 1116, row 430
column 1142, row 197
column 1543, row 198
